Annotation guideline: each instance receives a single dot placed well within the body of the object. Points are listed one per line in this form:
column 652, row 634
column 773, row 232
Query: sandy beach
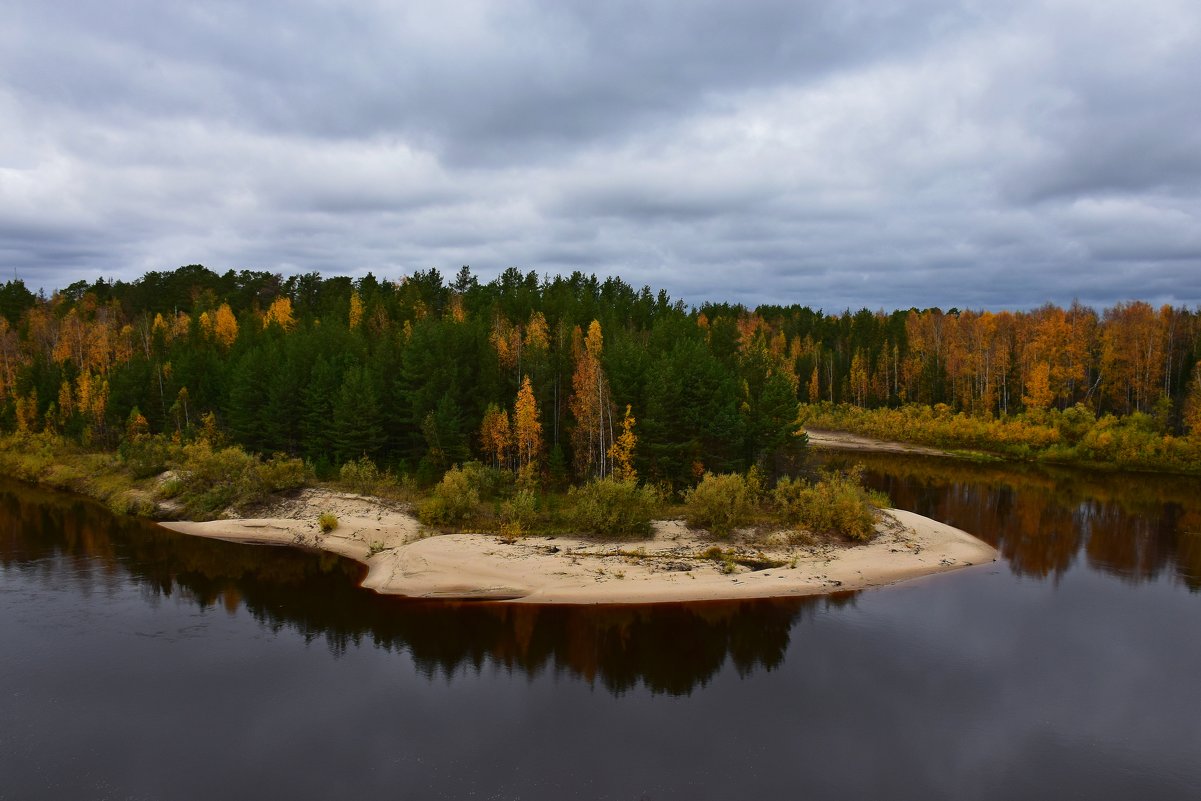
column 407, row 559
column 846, row 441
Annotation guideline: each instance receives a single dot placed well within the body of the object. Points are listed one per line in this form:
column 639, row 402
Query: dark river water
column 138, row 663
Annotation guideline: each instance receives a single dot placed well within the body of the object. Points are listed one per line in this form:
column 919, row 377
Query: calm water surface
column 137, row 663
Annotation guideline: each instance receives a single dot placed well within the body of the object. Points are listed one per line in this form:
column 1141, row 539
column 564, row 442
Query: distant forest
column 421, row 373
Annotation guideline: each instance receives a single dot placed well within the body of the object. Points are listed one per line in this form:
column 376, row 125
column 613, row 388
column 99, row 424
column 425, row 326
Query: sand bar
column 404, row 558
column 846, row 441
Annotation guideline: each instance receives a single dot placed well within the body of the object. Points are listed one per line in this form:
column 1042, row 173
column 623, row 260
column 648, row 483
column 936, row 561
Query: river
column 142, row 664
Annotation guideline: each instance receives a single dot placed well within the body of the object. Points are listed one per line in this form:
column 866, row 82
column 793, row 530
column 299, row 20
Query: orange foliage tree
column 280, row 313
column 1132, row 355
column 527, row 429
column 621, row 452
column 496, row 436
column 225, row 326
column 591, row 407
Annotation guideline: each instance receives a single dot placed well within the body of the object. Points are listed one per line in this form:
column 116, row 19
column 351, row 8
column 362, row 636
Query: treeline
column 568, row 378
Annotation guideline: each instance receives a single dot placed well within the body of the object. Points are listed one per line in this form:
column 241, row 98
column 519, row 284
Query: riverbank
column 673, row 564
column 846, row 441
column 1074, row 436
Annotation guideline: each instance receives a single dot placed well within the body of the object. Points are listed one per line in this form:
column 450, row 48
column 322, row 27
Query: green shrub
column 328, row 521
column 281, row 473
column 837, row 504
column 145, row 455
column 725, row 561
column 721, row 503
column 132, row 503
column 489, row 482
column 610, row 507
column 520, row 512
column 170, row 487
column 212, row 480
column 360, row 475
column 454, row 500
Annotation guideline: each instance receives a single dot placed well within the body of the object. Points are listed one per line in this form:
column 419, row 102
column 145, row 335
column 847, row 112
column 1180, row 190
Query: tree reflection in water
column 1137, row 527
column 666, row 648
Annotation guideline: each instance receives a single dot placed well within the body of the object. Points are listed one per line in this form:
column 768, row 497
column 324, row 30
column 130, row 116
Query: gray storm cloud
column 834, row 154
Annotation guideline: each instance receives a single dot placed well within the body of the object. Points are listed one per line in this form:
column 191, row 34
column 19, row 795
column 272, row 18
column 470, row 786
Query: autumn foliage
column 592, row 407
column 570, row 379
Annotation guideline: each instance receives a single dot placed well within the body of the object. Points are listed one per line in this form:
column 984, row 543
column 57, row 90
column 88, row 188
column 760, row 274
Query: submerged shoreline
column 674, row 564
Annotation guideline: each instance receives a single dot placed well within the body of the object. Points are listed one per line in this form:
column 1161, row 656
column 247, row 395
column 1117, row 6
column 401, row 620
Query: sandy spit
column 846, row 441
column 404, row 558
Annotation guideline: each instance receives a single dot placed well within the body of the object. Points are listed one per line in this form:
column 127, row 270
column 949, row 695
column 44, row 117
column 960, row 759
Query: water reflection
column 1043, row 518
column 670, row 649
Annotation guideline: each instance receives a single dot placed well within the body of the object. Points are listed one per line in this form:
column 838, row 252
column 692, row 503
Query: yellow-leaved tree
column 27, row 412
column 527, row 430
column 1192, row 403
column 621, row 452
column 496, row 435
column 537, row 333
column 280, row 313
column 592, row 409
column 225, row 326
column 66, row 405
column 1038, row 387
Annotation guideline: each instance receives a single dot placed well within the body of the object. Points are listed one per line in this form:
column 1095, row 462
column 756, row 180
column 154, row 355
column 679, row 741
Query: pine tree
column 356, row 426
column 317, row 403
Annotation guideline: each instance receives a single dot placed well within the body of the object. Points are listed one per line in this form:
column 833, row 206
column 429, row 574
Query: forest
column 572, row 378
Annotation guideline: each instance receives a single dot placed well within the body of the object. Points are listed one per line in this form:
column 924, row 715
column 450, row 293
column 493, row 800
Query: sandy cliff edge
column 403, row 558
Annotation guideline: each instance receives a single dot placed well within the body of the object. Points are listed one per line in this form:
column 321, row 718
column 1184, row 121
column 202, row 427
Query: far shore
column 406, row 559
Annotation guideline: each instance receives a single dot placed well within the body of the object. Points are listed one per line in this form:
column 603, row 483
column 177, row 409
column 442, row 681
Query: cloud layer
column 837, row 154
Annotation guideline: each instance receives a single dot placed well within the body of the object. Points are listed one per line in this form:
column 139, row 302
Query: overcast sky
column 837, row 154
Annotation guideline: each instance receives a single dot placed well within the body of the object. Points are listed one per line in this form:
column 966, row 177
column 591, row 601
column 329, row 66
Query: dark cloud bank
column 834, row 154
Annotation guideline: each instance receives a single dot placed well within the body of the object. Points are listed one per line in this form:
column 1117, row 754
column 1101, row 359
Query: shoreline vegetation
column 671, row 564
column 1074, row 437
column 451, row 543
column 565, row 407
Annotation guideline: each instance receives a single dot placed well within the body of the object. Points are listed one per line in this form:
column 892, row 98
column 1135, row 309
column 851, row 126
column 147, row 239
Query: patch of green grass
column 729, row 560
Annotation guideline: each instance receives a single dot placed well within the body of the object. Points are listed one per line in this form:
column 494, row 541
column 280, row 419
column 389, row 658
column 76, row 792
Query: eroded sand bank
column 405, row 558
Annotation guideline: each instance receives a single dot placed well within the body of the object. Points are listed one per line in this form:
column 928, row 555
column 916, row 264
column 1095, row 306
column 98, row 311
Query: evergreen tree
column 357, row 427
